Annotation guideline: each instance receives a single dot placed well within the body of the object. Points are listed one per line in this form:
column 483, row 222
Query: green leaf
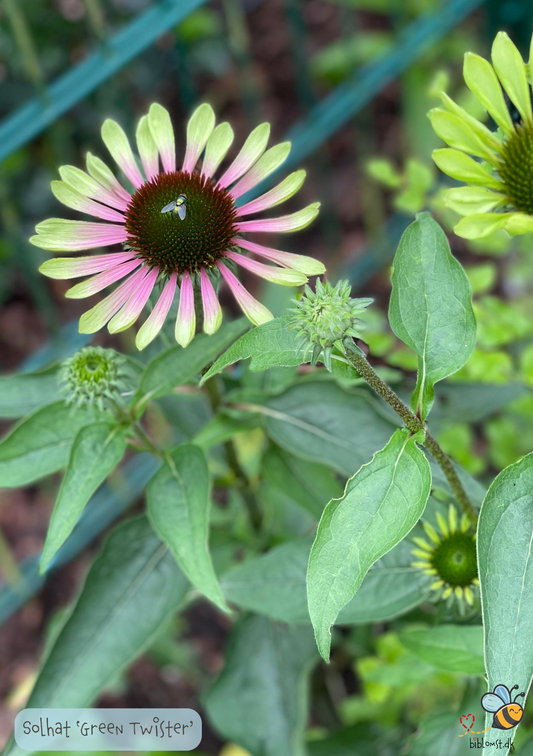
column 273, row 584
column 505, row 535
column 322, row 423
column 269, row 345
column 177, row 366
column 431, row 307
column 131, row 590
column 307, row 484
column 96, row 450
column 222, row 428
column 40, row 444
column 178, row 507
column 456, row 648
column 260, row 699
column 24, row 393
column 381, row 504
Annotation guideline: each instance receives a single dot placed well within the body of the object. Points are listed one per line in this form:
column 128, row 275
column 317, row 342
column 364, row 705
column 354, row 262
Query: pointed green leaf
column 25, row 392
column 269, row 345
column 130, row 591
column 40, row 444
column 178, row 507
column 322, row 423
column 381, row 504
column 273, row 584
column 177, row 366
column 260, row 699
column 505, row 538
column 96, row 451
column 431, row 307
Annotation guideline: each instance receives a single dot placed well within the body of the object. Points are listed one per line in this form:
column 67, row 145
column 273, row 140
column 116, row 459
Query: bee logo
column 507, row 713
column 178, row 207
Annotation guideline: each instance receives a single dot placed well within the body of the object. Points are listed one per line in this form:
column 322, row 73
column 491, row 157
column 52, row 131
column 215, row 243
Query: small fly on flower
column 178, row 207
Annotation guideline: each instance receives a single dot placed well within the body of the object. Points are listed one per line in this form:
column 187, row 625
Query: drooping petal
column 61, row 235
column 251, row 151
column 155, row 321
column 460, row 135
column 267, row 164
column 102, row 280
column 484, row 224
column 482, row 81
column 468, row 200
column 275, row 196
column 283, row 276
column 126, row 316
column 96, row 318
column 286, row 223
column 105, row 176
column 511, row 71
column 89, row 187
column 464, row 168
column 118, row 145
column 163, row 135
column 147, row 149
column 254, row 310
column 199, row 129
column 216, row 148
column 64, row 268
column 211, row 305
column 186, row 320
column 73, row 199
column 307, row 265
column 485, row 134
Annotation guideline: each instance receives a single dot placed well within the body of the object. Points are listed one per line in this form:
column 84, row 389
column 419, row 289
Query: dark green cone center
column 455, row 560
column 516, row 168
column 175, row 245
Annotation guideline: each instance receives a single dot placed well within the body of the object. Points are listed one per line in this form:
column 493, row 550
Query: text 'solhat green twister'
column 497, row 166
column 197, row 243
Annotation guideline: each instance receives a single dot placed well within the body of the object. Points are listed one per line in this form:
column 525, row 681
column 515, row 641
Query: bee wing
column 503, row 692
column 169, row 207
column 182, row 211
column 492, row 702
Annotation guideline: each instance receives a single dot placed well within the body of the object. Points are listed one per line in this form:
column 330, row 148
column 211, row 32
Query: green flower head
column 325, row 317
column 449, row 556
column 496, row 166
column 94, row 377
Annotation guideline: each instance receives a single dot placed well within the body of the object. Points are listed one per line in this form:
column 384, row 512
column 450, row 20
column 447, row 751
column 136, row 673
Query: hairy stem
column 414, row 424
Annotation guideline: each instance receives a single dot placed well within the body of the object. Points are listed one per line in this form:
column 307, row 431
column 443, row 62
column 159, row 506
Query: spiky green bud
column 94, row 377
column 326, row 317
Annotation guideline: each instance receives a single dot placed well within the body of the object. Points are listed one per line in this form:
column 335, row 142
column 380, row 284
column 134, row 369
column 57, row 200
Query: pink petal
column 212, row 311
column 96, row 318
column 155, row 321
column 133, row 307
column 65, row 268
column 307, row 265
column 186, row 320
column 253, row 309
column 284, row 276
column 102, row 280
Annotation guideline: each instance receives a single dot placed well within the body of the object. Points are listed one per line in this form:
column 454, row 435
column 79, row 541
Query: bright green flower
column 497, row 167
column 449, row 555
column 326, row 316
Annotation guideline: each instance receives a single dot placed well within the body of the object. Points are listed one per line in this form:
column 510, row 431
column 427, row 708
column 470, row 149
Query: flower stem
column 414, row 424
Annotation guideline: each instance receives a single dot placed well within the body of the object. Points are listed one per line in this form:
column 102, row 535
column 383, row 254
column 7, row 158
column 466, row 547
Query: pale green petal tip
column 201, row 122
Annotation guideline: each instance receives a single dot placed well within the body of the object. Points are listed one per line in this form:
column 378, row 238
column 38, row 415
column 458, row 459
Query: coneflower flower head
column 168, row 250
column 496, row 166
column 325, row 317
column 449, row 556
column 94, row 377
